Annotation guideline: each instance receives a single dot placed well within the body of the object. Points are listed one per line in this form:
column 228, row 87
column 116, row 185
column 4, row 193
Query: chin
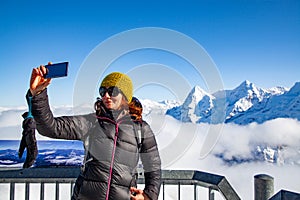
column 109, row 107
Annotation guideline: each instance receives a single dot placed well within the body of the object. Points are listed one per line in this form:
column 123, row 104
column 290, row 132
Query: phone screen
column 57, row 70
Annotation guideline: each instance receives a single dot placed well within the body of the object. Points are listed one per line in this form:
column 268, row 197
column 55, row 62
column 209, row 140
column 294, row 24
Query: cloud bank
column 242, row 148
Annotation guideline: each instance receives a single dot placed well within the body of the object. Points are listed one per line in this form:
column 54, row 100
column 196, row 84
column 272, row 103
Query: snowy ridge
column 196, row 106
column 242, row 98
column 283, row 105
column 153, row 107
column 243, row 105
column 51, row 153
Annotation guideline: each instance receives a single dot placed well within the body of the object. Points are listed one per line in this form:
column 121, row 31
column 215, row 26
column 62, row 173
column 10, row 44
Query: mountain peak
column 196, row 94
column 246, row 82
column 246, row 85
column 295, row 90
column 196, row 106
column 197, row 89
column 245, row 90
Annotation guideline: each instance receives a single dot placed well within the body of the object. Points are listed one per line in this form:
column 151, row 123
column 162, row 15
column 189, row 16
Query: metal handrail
column 59, row 175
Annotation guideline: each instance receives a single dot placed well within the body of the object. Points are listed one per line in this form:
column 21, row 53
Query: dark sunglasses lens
column 102, row 91
column 112, row 91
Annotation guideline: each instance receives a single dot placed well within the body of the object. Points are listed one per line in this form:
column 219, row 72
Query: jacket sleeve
column 65, row 127
column 151, row 163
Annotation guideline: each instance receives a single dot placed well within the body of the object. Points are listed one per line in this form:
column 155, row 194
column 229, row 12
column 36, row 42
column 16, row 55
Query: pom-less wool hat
column 120, row 80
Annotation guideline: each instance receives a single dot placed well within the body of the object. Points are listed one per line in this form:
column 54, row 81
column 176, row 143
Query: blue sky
column 247, row 40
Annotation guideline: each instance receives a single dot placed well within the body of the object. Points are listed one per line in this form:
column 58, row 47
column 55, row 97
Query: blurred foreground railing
column 67, row 175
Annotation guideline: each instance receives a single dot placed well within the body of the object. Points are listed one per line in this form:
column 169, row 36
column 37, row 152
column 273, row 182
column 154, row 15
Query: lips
column 108, row 103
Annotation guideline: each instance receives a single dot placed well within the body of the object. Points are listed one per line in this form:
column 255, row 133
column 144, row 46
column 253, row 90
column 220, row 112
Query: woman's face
column 112, row 102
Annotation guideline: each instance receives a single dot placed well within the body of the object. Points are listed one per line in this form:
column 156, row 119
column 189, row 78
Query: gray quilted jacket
column 111, row 147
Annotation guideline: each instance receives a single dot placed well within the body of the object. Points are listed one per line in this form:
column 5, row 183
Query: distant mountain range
column 243, row 105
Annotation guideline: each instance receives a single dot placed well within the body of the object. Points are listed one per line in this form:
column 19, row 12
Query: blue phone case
column 57, row 70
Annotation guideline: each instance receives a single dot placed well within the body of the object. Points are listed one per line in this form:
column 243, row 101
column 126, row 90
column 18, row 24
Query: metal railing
column 179, row 178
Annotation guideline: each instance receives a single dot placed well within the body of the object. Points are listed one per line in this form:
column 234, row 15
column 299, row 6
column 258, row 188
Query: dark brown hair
column 135, row 109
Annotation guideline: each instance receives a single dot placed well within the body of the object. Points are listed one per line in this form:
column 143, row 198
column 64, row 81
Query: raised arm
column 66, row 127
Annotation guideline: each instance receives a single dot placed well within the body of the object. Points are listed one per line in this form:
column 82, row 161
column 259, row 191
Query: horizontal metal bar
column 169, row 177
column 36, row 180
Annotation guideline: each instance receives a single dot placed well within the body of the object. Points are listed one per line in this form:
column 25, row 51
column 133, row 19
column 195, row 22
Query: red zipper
column 113, row 153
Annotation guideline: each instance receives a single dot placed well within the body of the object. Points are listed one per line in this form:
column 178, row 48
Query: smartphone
column 57, row 70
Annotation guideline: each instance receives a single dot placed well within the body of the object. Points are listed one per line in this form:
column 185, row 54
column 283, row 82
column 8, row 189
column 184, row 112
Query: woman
column 111, row 144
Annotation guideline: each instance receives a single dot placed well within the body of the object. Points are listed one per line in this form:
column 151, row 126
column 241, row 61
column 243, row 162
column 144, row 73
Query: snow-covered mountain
column 198, row 105
column 242, row 105
column 282, row 105
column 242, row 98
column 153, row 107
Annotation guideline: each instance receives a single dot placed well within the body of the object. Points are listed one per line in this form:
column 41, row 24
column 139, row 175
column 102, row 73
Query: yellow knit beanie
column 122, row 81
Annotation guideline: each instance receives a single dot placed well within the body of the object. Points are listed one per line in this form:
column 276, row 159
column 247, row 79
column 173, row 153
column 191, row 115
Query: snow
column 196, row 106
column 243, row 105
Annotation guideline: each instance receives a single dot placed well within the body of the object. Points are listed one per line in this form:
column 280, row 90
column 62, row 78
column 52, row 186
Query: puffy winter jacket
column 112, row 151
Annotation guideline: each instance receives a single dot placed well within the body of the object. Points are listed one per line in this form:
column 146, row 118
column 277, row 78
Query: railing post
column 56, row 191
column 263, row 187
column 42, row 192
column 211, row 194
column 12, row 191
column 195, row 192
column 27, row 191
column 71, row 189
column 163, row 184
column 178, row 190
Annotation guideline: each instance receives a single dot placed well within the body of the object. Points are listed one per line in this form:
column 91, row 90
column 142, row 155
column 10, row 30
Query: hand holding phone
column 56, row 70
column 41, row 76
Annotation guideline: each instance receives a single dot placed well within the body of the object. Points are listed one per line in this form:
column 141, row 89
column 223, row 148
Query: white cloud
column 240, row 141
column 11, row 119
column 277, row 132
column 11, row 116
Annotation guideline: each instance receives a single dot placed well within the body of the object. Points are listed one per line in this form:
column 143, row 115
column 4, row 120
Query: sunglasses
column 112, row 91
